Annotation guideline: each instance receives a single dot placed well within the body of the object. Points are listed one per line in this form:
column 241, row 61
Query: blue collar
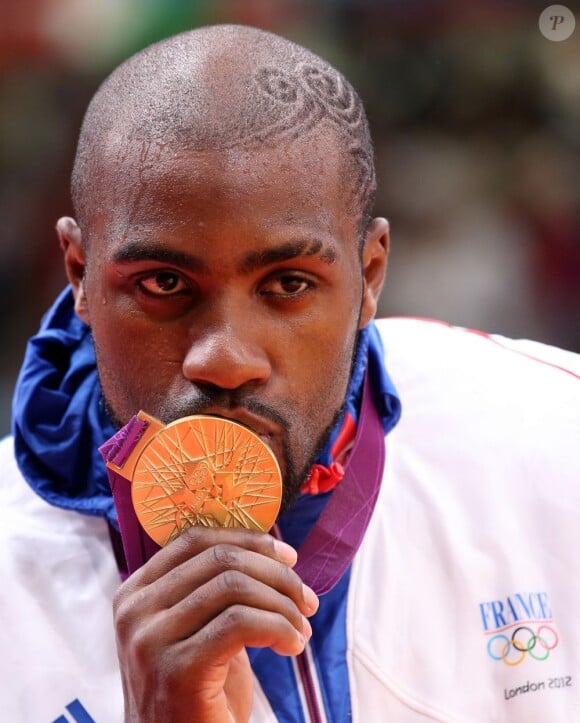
column 369, row 354
column 59, row 420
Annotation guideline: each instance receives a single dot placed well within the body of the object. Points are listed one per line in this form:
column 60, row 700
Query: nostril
column 212, row 392
column 211, row 369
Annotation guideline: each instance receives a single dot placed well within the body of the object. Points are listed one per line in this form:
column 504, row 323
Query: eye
column 163, row 283
column 287, row 285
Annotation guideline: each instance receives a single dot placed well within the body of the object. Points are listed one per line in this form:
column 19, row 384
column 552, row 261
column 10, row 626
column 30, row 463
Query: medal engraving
column 203, row 470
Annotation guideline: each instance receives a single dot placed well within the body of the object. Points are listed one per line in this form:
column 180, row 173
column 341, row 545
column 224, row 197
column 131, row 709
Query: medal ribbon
column 137, row 545
column 331, row 545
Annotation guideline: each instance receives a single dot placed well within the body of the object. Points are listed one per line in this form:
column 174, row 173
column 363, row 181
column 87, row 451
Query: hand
column 184, row 619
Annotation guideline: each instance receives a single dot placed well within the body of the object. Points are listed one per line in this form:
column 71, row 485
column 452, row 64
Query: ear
column 374, row 267
column 69, row 235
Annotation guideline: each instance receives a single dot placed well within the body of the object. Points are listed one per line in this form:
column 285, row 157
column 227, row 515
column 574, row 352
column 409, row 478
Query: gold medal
column 202, row 470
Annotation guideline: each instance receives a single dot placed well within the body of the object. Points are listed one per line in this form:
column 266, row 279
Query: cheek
column 135, row 365
column 321, row 379
column 333, row 361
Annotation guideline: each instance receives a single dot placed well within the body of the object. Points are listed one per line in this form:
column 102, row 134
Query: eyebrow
column 134, row 251
column 286, row 252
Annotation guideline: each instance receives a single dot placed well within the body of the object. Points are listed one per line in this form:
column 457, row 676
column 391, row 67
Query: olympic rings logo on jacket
column 523, row 641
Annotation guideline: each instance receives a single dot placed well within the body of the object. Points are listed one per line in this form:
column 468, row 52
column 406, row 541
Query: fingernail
column 306, row 628
column 285, row 553
column 310, row 599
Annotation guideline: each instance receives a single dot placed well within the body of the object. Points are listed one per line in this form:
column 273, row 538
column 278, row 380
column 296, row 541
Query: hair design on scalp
column 307, row 96
column 304, row 98
column 262, row 90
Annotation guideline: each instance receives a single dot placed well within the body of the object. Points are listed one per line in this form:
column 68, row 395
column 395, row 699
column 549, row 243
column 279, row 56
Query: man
column 223, row 262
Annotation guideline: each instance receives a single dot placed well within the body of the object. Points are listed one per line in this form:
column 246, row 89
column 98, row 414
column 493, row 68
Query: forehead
column 149, row 183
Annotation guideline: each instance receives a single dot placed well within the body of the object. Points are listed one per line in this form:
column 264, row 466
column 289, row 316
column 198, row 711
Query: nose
column 227, row 355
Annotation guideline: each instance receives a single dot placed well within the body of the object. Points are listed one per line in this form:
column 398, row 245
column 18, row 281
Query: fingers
column 227, row 578
column 196, row 539
column 240, row 626
column 201, row 554
column 227, row 592
column 216, row 642
column 224, row 562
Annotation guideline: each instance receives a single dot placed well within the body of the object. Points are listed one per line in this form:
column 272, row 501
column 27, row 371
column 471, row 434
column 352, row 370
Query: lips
column 259, row 426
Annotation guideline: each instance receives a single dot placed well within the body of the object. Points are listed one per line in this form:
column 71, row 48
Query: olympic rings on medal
column 523, row 640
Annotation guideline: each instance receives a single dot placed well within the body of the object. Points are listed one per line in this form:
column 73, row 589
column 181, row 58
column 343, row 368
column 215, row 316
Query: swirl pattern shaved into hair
column 227, row 87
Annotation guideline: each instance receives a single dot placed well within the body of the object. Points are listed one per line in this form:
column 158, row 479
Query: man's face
column 227, row 283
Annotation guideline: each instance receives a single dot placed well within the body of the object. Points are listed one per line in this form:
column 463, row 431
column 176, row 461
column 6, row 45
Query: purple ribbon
column 137, row 545
column 331, row 545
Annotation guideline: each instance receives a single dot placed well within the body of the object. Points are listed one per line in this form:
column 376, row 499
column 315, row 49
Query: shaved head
column 224, row 88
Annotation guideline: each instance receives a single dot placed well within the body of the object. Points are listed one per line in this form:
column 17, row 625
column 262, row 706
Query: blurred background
column 474, row 113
